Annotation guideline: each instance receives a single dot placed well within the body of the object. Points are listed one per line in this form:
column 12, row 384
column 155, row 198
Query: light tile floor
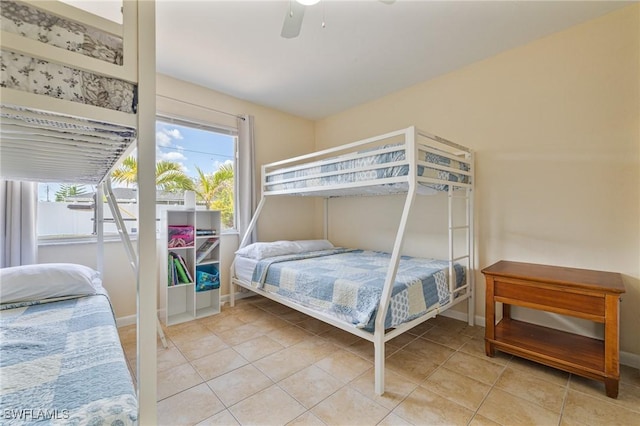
column 261, row 363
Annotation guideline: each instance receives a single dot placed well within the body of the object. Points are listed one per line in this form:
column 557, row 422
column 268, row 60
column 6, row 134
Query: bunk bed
column 77, row 93
column 374, row 295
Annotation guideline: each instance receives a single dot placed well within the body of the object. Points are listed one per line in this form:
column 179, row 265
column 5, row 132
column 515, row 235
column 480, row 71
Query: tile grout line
column 493, row 386
column 564, row 399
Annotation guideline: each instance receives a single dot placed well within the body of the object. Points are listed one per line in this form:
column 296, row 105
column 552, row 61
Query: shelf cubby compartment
column 186, row 232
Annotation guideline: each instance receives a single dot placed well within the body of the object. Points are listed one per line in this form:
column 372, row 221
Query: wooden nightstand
column 581, row 293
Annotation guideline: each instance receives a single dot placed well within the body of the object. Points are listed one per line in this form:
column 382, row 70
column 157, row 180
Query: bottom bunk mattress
column 62, row 362
column 348, row 283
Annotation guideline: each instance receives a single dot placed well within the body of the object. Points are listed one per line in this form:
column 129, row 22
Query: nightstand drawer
column 553, row 300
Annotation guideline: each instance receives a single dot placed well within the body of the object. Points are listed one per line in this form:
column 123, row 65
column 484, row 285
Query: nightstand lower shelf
column 566, row 351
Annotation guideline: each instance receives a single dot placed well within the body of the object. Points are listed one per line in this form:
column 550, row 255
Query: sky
column 190, row 147
column 193, row 148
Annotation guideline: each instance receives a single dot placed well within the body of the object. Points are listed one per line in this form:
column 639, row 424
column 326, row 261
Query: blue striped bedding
column 308, row 177
column 347, row 284
column 62, row 363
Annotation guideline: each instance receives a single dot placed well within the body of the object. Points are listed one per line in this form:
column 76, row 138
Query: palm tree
column 127, row 173
column 169, row 175
column 171, row 178
column 66, row 191
column 216, row 190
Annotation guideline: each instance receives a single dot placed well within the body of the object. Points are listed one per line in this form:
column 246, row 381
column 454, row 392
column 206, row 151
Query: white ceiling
column 367, row 49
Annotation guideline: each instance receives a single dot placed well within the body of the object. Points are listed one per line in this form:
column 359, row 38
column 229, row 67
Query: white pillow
column 46, row 280
column 259, row 251
column 313, row 245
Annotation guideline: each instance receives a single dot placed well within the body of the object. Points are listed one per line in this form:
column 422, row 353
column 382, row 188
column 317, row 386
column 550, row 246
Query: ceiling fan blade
column 293, row 20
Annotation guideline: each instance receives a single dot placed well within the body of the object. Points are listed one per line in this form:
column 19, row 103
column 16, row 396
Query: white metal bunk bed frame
column 429, row 143
column 138, row 35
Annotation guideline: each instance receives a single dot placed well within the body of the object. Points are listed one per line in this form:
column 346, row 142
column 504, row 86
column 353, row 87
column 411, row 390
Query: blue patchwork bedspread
column 347, row 284
column 62, row 363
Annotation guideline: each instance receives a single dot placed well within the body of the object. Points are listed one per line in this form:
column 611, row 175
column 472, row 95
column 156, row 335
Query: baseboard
column 629, row 359
column 239, row 295
column 626, row 358
column 124, row 321
column 462, row 316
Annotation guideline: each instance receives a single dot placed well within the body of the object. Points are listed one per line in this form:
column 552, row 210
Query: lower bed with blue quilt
column 348, row 283
column 62, row 363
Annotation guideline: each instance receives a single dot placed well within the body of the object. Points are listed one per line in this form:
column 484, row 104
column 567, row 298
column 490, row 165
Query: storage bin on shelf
column 180, row 236
column 207, row 277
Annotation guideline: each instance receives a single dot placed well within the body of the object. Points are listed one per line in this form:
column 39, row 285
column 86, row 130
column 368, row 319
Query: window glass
column 206, row 155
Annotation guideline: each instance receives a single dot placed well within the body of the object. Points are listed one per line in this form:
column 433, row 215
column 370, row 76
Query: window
column 206, row 156
column 189, row 156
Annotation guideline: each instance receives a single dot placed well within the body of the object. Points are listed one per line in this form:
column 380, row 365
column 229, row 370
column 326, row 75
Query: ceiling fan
column 295, row 13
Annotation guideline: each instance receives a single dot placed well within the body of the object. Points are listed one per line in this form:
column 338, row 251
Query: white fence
column 57, row 219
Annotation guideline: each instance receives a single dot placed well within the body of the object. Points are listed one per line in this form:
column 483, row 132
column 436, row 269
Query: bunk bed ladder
column 124, row 236
column 468, row 256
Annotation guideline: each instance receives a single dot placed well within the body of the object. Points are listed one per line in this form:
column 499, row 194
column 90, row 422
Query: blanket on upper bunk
column 347, row 284
column 30, row 22
column 61, row 362
column 377, row 163
column 41, row 77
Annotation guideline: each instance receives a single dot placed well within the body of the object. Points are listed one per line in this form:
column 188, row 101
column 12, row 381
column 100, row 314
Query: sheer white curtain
column 246, row 185
column 18, row 207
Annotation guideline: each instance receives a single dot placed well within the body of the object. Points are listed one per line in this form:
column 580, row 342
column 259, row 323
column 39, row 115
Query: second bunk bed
column 78, row 93
column 374, row 295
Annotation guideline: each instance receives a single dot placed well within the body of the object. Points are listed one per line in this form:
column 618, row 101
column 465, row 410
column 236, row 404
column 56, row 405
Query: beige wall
column 556, row 128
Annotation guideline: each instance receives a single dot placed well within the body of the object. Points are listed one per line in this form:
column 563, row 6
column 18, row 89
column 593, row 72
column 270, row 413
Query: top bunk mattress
column 370, row 166
column 47, row 147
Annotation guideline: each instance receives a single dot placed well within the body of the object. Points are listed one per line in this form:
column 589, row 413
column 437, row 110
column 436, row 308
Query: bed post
column 99, row 226
column 147, row 256
column 325, row 224
column 379, row 331
column 378, row 336
column 378, row 360
column 471, row 302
